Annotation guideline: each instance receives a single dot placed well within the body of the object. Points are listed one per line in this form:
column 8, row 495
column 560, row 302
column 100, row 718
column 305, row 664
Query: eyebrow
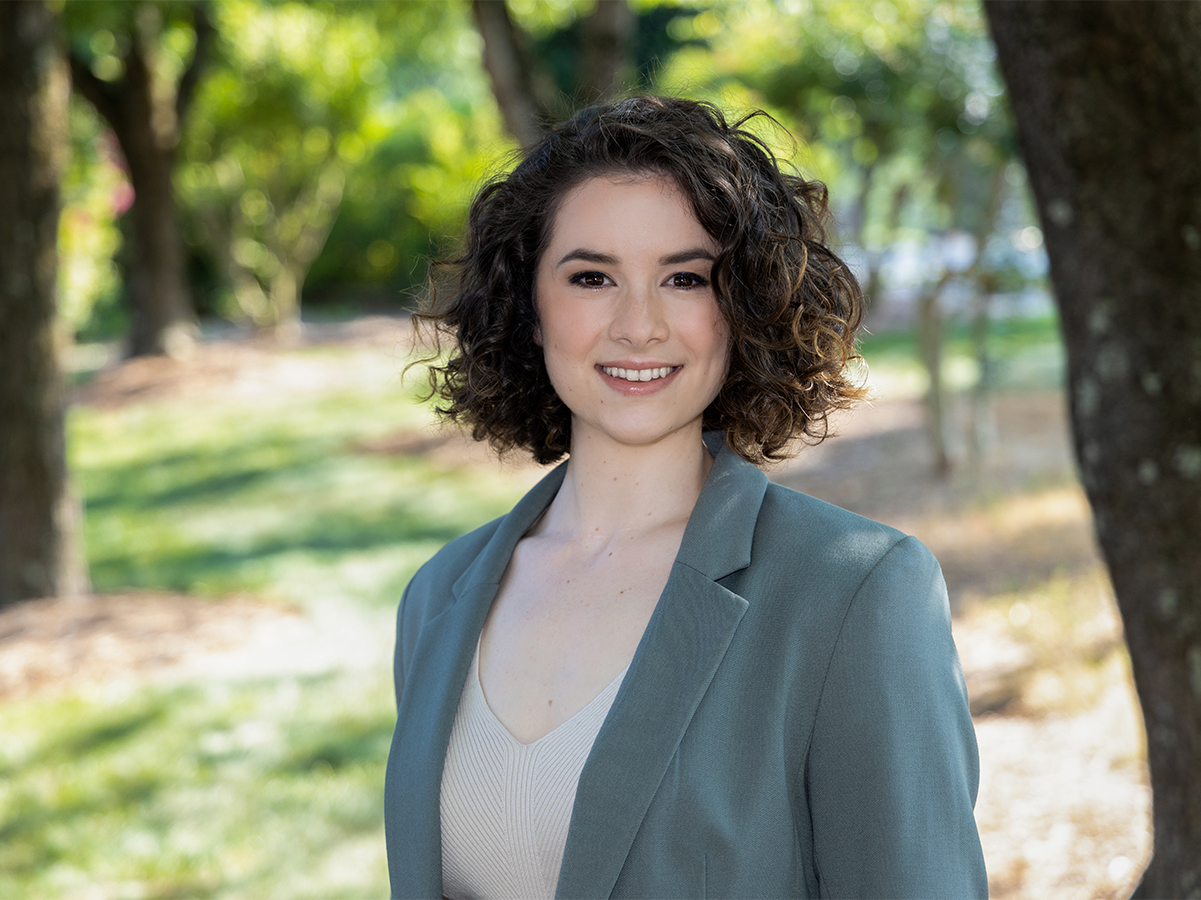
column 607, row 259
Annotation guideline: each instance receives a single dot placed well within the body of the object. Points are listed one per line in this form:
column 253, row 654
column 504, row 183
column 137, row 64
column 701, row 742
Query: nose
column 638, row 317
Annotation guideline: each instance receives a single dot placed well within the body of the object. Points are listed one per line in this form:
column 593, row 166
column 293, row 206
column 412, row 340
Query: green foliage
column 277, row 127
column 898, row 105
column 1027, row 354
column 95, row 192
column 318, row 111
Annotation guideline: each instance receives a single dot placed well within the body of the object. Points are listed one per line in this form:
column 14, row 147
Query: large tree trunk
column 509, row 69
column 37, row 553
column 606, row 50
column 527, row 99
column 1107, row 98
column 146, row 113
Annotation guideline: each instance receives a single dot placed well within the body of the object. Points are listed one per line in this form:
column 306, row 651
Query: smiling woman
column 660, row 675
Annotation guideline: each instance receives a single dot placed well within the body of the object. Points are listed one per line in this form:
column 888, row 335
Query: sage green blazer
column 794, row 722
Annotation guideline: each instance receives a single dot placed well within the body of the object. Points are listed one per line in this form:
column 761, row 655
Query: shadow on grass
column 325, row 538
column 37, row 818
column 360, row 742
column 212, row 474
column 96, row 736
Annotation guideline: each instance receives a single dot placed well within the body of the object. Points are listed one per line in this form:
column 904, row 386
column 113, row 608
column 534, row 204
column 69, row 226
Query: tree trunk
column 607, row 33
column 1107, row 98
column 146, row 113
column 981, row 427
column 509, row 70
column 929, row 318
column 37, row 516
column 524, row 91
column 163, row 316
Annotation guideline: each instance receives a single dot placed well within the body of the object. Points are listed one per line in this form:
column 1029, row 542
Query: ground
column 1064, row 800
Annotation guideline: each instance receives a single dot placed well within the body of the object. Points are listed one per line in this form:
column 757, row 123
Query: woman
column 660, row 675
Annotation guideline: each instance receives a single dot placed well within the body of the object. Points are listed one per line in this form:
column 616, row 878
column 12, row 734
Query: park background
column 260, row 476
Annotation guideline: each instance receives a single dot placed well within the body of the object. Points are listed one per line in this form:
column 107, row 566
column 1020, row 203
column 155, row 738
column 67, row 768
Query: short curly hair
column 792, row 306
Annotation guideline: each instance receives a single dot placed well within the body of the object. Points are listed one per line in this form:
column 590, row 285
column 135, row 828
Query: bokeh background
column 260, row 476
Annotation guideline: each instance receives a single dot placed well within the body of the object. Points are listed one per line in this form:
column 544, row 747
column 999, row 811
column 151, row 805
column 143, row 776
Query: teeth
column 638, row 374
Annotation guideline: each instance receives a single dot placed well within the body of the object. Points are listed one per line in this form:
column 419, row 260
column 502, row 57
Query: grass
column 1024, row 354
column 270, row 787
column 270, row 498
column 261, row 789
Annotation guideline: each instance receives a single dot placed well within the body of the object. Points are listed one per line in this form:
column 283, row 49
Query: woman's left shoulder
column 800, row 536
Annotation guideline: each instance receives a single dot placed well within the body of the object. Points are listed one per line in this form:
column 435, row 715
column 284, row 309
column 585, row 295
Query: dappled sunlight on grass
column 268, row 497
column 199, row 792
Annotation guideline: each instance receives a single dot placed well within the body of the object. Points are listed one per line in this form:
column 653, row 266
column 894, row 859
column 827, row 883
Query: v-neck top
column 505, row 805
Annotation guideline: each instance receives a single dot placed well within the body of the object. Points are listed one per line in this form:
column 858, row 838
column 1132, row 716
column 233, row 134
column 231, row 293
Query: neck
column 611, row 488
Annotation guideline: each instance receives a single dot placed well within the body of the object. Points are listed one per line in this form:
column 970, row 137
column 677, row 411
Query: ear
column 538, row 335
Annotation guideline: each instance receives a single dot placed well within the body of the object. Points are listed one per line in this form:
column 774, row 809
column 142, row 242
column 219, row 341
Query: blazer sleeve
column 892, row 769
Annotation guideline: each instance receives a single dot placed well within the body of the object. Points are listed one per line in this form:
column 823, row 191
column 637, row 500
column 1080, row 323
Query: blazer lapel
column 441, row 658
column 683, row 645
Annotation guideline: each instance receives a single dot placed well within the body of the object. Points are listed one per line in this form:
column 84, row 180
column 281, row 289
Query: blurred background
column 253, row 196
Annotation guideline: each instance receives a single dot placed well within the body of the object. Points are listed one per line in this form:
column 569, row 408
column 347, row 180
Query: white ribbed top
column 506, row 805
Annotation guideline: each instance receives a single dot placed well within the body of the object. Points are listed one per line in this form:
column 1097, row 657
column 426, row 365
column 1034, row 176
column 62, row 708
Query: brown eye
column 589, row 279
column 687, row 280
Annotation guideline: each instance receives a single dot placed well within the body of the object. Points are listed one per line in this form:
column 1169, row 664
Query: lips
column 651, row 374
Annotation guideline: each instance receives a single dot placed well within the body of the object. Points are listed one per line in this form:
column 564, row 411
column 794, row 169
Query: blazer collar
column 489, row 566
column 441, row 658
column 681, row 649
column 720, row 531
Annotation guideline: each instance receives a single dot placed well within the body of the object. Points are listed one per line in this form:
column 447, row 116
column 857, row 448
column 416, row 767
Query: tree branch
column 99, row 93
column 205, row 33
column 508, row 69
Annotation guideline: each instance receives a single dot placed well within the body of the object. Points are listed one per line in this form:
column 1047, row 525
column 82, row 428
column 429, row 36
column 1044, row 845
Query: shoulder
column 431, row 588
column 803, row 539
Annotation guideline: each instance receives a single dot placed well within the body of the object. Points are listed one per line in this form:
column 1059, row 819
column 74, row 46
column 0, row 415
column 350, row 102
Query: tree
column 37, row 521
column 296, row 104
column 124, row 64
column 600, row 51
column 1107, row 98
column 901, row 100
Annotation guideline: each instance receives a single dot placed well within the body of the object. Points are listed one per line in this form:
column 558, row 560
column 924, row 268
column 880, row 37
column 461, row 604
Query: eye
column 687, row 280
column 590, row 279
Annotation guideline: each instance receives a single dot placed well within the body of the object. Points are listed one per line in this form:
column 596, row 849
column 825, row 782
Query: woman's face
column 634, row 342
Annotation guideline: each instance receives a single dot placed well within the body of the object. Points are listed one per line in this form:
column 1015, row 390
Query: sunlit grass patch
column 230, row 790
column 1024, row 353
column 269, row 497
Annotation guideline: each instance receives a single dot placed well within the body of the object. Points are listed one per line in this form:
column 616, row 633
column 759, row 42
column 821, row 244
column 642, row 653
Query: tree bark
column 38, row 553
column 1107, row 98
column 606, row 50
column 510, row 71
column 146, row 117
column 930, row 328
column 527, row 99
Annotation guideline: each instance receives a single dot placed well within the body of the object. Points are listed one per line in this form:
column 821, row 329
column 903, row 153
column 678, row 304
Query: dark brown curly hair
column 792, row 306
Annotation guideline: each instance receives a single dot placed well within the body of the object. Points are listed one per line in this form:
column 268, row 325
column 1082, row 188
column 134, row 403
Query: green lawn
column 270, row 787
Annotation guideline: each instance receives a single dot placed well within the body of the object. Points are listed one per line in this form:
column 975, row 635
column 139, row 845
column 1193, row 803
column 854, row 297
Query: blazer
column 794, row 722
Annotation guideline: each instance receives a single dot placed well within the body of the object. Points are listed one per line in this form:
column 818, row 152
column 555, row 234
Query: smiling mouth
column 638, row 374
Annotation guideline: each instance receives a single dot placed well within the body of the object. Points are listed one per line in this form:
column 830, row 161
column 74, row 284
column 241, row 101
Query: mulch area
column 96, row 641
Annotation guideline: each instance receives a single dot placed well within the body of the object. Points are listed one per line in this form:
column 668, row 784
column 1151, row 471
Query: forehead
column 626, row 208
